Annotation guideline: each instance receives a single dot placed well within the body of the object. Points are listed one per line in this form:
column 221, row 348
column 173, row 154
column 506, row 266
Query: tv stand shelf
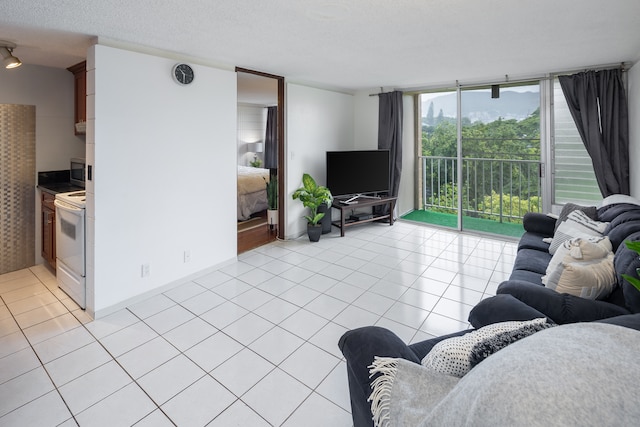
column 345, row 210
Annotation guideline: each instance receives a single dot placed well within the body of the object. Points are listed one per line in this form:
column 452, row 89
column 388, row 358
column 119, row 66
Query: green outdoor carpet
column 468, row 223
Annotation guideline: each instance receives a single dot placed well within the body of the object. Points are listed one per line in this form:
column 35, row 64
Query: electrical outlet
column 187, row 255
column 145, row 270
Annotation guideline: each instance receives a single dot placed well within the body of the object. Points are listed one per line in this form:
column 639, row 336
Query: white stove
column 70, row 245
column 74, row 198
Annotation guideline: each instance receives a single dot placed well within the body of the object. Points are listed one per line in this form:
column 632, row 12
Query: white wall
column 634, row 129
column 51, row 91
column 164, row 159
column 317, row 121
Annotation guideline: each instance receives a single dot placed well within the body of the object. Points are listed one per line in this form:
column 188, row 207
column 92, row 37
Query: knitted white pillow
column 452, row 356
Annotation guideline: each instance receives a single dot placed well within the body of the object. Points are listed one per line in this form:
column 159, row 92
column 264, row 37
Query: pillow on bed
column 453, row 355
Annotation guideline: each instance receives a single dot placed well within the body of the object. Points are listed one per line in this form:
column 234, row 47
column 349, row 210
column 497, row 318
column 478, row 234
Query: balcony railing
column 499, row 189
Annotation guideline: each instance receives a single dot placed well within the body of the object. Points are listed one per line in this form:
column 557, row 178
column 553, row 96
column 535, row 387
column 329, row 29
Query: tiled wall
column 17, row 197
column 252, row 124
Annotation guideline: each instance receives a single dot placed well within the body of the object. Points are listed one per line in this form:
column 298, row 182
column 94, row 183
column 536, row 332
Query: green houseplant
column 312, row 196
column 272, row 200
column 634, row 246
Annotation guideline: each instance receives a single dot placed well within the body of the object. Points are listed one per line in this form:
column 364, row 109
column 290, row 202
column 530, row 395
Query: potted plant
column 312, row 196
column 272, row 201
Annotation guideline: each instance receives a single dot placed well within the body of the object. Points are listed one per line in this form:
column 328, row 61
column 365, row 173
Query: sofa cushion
column 453, row 356
column 577, row 224
column 531, row 240
column 532, row 260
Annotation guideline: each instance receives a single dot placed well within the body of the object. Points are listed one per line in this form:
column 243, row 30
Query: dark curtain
column 390, row 134
column 598, row 104
column 271, row 139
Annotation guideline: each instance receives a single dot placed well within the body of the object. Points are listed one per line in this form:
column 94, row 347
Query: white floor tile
column 11, row 343
column 23, row 389
column 242, row 371
column 276, row 345
column 47, row 410
column 184, row 292
column 239, row 415
column 327, row 338
column 276, row 285
column 77, row 363
column 146, row 357
column 438, row 325
column 309, row 364
column 335, row 387
column 189, row 334
column 203, row 302
column 224, row 314
column 124, row 407
column 213, row 351
column 248, row 328
column 299, row 295
column 303, row 323
column 419, row 299
column 276, row 396
column 252, row 299
column 317, row 411
column 276, row 310
column 50, row 328
column 345, row 292
column 354, row 317
column 142, row 309
column 170, row 378
column 107, row 325
column 326, row 306
column 94, row 386
column 155, row 419
column 128, row 338
column 62, row 344
column 212, row 280
column 16, row 364
column 406, row 314
column 168, row 319
column 199, row 403
column 319, row 282
column 405, row 332
column 232, row 288
column 374, row 303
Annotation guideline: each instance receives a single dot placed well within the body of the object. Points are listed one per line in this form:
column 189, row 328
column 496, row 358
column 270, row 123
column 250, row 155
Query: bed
column 252, row 191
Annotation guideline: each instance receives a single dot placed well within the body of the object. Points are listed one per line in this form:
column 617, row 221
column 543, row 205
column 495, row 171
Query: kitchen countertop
column 54, row 182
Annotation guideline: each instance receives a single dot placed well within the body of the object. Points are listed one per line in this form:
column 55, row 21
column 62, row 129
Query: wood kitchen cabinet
column 49, row 229
column 80, row 89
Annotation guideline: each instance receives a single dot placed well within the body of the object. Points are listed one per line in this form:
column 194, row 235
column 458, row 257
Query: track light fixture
column 6, row 50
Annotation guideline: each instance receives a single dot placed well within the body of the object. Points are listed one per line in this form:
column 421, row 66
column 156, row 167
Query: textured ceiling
column 350, row 45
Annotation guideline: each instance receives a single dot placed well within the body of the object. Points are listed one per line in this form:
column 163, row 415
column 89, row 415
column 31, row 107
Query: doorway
column 260, row 146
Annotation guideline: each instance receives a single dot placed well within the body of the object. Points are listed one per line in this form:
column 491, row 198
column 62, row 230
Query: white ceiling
column 347, row 45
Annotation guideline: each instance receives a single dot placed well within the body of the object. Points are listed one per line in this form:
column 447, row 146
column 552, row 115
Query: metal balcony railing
column 498, row 189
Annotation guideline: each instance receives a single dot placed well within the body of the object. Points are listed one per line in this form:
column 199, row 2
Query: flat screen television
column 358, row 172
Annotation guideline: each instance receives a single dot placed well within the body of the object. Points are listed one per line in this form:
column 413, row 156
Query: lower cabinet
column 49, row 229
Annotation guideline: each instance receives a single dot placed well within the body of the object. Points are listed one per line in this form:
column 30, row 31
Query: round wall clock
column 182, row 73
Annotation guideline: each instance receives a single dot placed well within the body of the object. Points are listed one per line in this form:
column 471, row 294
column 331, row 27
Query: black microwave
column 77, row 172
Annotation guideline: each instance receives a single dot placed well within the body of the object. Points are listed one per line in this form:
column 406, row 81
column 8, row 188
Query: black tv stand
column 357, row 197
column 371, row 201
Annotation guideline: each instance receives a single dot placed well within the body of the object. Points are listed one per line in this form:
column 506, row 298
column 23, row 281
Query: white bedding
column 252, row 192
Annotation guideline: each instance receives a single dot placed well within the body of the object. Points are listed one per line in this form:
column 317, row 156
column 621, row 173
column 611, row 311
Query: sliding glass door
column 480, row 158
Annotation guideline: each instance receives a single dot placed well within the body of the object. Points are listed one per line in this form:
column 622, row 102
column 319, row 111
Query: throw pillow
column 589, row 211
column 577, row 224
column 591, row 279
column 453, row 355
column 486, row 348
column 579, row 248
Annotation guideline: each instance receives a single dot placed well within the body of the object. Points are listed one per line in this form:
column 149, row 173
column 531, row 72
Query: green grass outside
column 468, row 223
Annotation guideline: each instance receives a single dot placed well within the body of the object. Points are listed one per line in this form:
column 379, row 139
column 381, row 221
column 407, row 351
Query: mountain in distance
column 479, row 106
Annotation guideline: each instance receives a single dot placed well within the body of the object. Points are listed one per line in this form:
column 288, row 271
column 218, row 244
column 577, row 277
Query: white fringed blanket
column 585, row 374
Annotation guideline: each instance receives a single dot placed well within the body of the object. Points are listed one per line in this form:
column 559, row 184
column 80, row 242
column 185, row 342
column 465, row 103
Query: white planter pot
column 272, row 217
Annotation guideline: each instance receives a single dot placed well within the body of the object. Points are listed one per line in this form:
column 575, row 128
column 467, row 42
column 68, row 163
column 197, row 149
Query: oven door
column 70, row 239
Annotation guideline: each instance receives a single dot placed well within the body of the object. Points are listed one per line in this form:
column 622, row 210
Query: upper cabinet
column 80, row 77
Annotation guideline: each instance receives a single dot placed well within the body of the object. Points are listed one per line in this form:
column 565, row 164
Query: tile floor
column 252, row 344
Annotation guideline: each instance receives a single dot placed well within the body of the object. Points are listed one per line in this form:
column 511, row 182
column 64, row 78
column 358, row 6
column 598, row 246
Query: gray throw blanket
column 585, row 374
